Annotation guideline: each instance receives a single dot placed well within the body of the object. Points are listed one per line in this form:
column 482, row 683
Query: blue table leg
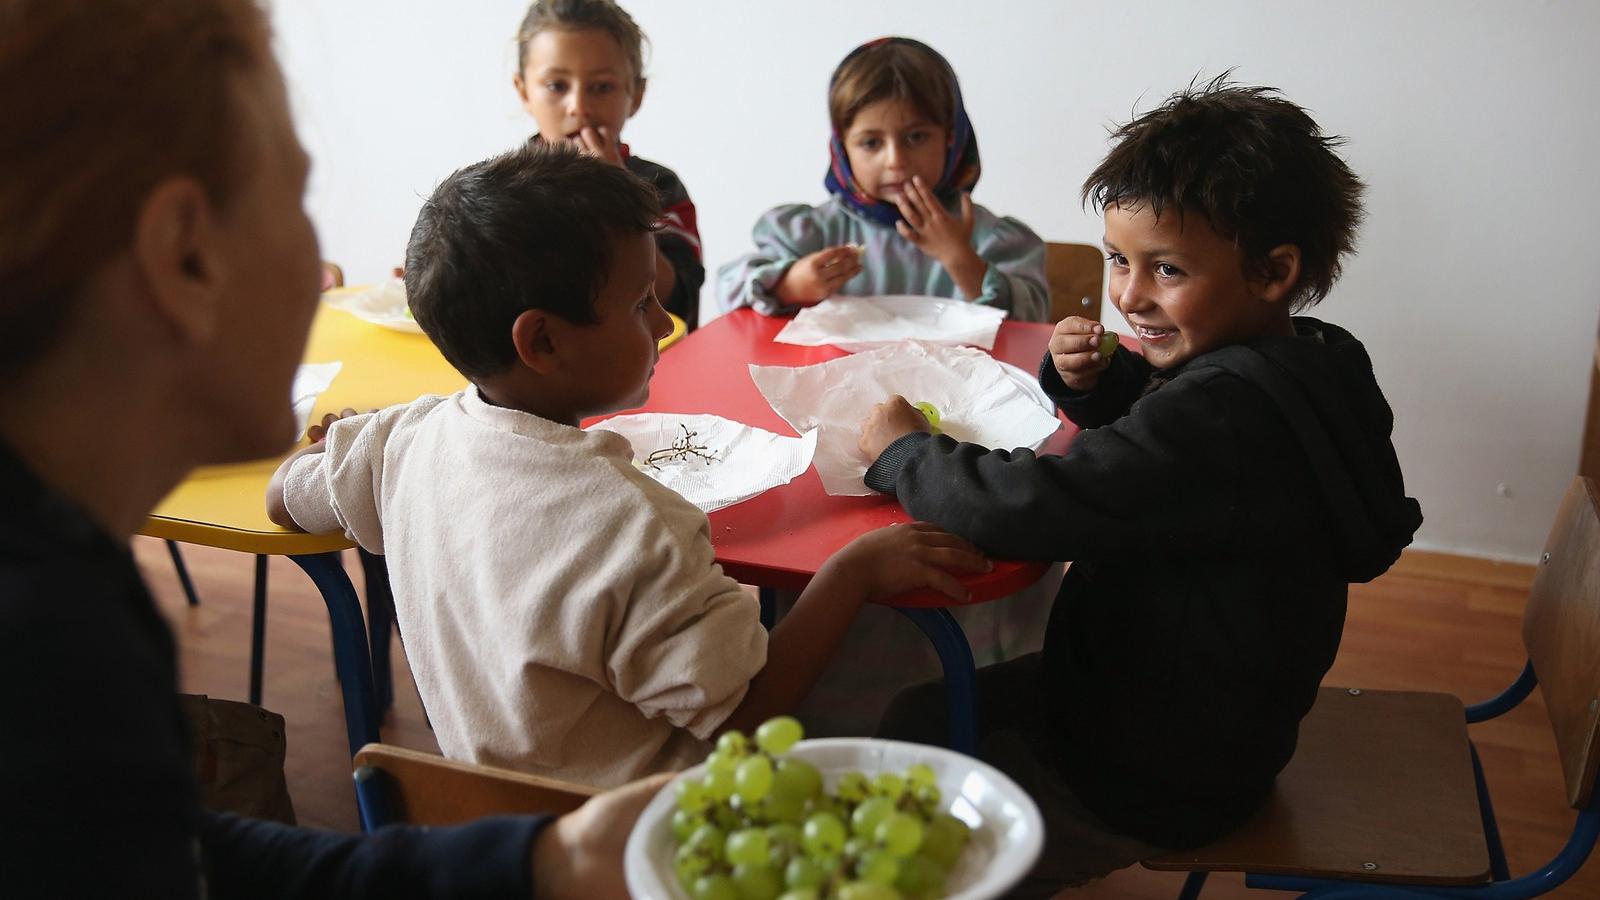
column 258, row 631
column 350, row 657
column 960, row 674
column 380, row 624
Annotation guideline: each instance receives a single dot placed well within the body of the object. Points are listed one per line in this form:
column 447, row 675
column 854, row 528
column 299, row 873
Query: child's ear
column 531, row 335
column 1281, row 273
column 638, row 96
column 522, row 89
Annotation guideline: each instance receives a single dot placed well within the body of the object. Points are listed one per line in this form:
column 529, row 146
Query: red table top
column 780, row 538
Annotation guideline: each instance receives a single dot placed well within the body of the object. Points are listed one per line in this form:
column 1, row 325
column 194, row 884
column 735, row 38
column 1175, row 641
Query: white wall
column 1474, row 124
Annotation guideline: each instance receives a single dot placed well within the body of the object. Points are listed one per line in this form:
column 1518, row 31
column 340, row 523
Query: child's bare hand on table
column 818, row 276
column 1078, row 351
column 889, row 421
column 317, row 432
column 904, row 558
column 277, row 512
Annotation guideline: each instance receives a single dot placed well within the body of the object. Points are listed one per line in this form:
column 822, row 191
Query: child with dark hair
column 1227, row 487
column 562, row 611
column 580, row 74
column 904, row 160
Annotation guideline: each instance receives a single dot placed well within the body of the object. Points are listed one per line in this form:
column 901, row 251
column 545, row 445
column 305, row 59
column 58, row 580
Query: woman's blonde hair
column 102, row 100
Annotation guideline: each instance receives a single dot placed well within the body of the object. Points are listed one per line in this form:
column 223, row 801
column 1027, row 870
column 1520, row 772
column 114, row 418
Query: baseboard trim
column 1467, row 569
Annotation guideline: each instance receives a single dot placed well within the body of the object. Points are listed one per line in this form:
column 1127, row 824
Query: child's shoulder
column 661, row 177
column 831, row 218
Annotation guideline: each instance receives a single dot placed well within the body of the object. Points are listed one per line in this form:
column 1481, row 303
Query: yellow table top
column 225, row 506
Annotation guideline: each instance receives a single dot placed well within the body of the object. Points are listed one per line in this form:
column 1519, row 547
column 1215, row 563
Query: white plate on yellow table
column 381, row 304
column 1007, row 831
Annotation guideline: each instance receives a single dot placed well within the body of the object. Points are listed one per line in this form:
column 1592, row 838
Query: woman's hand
column 818, row 276
column 889, row 421
column 579, row 855
column 1077, row 352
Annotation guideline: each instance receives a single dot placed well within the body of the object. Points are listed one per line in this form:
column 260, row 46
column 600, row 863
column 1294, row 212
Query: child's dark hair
column 579, row 15
column 1254, row 164
column 891, row 69
column 536, row 228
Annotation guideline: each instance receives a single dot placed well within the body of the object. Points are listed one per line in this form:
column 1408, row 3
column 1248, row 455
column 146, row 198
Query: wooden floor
column 1433, row 623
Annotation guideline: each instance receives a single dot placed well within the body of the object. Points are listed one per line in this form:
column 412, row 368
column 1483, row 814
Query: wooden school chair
column 1076, row 274
column 1385, row 796
column 396, row 785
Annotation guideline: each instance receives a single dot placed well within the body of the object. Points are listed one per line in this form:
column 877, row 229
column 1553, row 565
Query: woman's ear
column 1281, row 273
column 638, row 96
column 532, row 334
column 176, row 247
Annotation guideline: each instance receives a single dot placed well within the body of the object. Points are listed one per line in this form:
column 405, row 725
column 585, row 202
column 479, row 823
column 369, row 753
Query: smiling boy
column 1227, row 487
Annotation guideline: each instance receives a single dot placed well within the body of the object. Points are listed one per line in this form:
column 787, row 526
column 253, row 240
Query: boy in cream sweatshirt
column 562, row 612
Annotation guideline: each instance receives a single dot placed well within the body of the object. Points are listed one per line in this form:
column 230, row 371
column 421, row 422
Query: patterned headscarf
column 961, row 166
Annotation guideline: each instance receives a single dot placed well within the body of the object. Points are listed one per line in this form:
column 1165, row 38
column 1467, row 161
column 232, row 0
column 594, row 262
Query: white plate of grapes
column 778, row 818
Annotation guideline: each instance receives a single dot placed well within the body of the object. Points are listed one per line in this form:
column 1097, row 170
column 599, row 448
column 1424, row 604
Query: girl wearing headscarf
column 900, row 218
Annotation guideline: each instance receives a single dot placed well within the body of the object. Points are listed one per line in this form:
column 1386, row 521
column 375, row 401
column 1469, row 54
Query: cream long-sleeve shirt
column 561, row 611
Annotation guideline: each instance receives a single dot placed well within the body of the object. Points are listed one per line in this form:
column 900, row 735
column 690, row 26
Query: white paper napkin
column 743, row 460
column 382, row 304
column 863, row 323
column 309, row 382
column 980, row 401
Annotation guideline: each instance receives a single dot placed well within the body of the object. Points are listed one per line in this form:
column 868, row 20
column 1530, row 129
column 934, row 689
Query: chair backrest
column 1076, row 275
column 332, row 275
column 1561, row 630
column 424, row 789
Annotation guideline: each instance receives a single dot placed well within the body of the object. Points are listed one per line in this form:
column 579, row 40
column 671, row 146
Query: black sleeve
column 691, row 275
column 97, row 795
column 97, row 779
column 1165, row 476
column 248, row 859
column 1119, row 386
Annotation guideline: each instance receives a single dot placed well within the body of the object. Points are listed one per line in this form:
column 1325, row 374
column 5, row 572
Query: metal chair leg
column 350, row 657
column 380, row 625
column 960, row 674
column 769, row 606
column 258, row 631
column 183, row 574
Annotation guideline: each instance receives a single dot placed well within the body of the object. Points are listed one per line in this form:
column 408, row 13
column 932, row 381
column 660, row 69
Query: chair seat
column 1380, row 789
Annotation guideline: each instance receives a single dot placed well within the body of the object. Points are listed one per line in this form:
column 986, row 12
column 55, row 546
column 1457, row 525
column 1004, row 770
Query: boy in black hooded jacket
column 1228, row 485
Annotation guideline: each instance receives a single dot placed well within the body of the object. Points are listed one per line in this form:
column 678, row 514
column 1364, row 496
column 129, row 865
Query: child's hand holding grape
column 1081, row 349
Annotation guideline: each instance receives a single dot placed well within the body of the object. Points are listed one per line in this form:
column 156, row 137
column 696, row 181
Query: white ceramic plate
column 1007, row 832
column 382, row 304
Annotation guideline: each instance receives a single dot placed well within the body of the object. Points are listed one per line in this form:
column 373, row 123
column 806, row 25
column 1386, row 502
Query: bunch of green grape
column 759, row 826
